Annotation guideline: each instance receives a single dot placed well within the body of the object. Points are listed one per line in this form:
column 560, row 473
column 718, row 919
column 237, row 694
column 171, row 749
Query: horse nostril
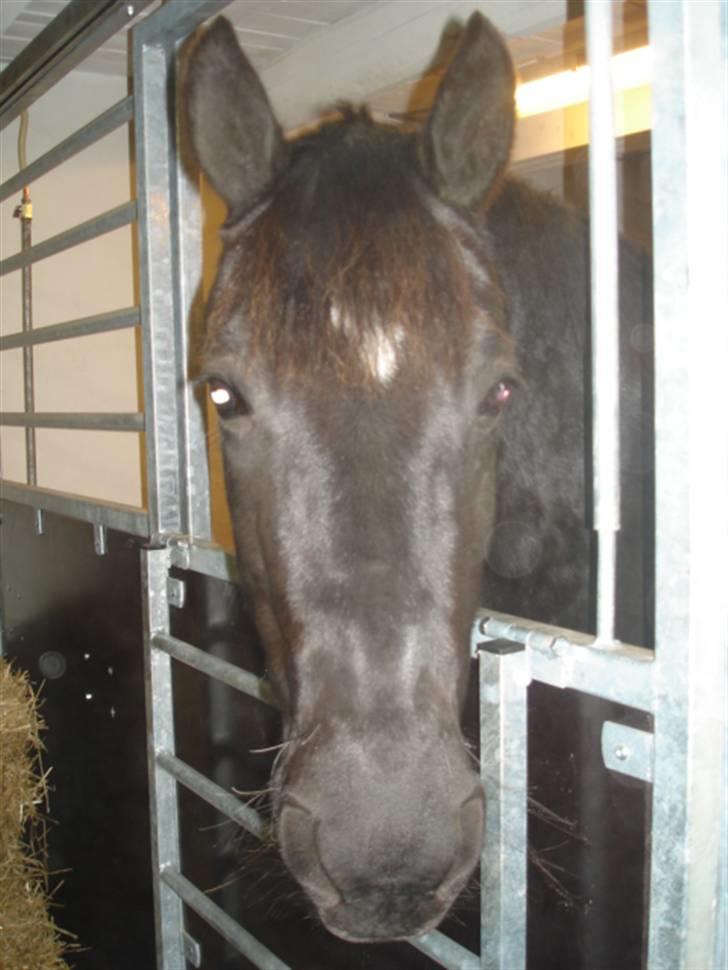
column 390, row 880
column 472, row 822
column 472, row 817
column 297, row 836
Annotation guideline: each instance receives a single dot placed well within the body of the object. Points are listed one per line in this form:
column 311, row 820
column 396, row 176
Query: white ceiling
column 21, row 20
column 312, row 53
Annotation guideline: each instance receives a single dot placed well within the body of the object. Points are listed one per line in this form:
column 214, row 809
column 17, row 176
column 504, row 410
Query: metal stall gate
column 682, row 685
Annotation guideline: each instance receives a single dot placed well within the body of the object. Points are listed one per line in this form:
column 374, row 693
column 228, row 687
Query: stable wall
column 96, row 373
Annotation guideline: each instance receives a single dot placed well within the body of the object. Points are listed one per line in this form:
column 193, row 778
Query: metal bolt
column 621, row 752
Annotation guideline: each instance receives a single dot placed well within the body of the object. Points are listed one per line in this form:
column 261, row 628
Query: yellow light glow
column 630, row 69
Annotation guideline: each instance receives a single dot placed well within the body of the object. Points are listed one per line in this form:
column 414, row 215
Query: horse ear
column 237, row 139
column 467, row 140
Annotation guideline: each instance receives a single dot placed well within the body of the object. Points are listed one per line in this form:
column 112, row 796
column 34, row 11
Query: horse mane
column 346, row 250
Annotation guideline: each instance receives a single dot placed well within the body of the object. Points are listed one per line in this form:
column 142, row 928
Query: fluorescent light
column 631, row 69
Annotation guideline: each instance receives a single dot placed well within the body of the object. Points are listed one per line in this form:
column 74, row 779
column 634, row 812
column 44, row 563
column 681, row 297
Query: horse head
column 358, row 356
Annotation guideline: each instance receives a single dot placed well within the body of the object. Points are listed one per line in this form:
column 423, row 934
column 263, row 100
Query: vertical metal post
column 154, row 167
column 604, row 308
column 690, row 201
column 170, row 221
column 101, row 541
column 504, row 770
column 168, row 910
column 189, row 313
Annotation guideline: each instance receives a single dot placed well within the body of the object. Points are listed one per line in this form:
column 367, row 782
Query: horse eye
column 227, row 401
column 496, row 399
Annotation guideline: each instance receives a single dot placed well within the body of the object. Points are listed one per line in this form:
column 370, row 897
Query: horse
column 396, row 347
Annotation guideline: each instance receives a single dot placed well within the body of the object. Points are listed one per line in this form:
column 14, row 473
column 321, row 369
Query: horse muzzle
column 392, row 876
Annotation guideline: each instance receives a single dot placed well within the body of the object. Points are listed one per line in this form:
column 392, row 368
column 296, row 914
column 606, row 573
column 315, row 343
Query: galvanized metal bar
column 186, row 267
column 564, row 658
column 161, row 367
column 203, row 557
column 224, row 801
column 171, row 287
column 101, row 544
column 216, row 668
column 721, row 920
column 259, row 955
column 160, row 737
column 690, row 232
column 76, row 31
column 83, row 327
column 102, row 421
column 116, row 116
column 113, row 515
column 604, row 308
column 122, row 215
column 446, row 952
column 504, row 771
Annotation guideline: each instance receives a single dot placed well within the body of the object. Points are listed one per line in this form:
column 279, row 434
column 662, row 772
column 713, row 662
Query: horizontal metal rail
column 73, row 34
column 224, row 801
column 102, row 421
column 206, row 558
column 563, row 658
column 83, row 327
column 116, row 116
column 122, row 215
column 243, row 942
column 435, row 945
column 214, row 667
column 619, row 672
column 113, row 515
column 446, row 952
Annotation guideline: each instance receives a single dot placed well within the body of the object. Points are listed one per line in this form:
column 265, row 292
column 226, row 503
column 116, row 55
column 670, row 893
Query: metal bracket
column 100, row 540
column 627, row 750
column 478, row 639
column 176, row 592
column 192, row 950
column 180, row 552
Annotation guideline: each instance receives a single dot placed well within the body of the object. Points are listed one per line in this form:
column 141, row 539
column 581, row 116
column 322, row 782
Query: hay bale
column 29, row 939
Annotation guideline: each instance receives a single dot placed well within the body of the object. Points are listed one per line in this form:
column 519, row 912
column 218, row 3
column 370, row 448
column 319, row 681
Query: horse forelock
column 347, row 268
